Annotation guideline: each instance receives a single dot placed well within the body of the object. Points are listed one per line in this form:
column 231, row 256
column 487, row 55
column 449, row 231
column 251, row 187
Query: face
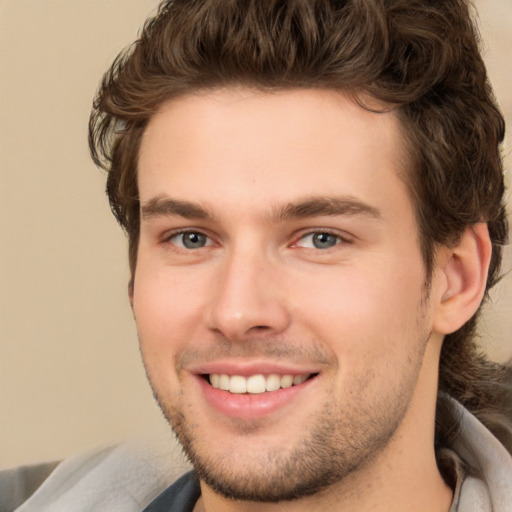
column 279, row 292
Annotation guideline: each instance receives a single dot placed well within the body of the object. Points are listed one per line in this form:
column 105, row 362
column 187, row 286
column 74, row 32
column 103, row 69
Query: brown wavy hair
column 419, row 58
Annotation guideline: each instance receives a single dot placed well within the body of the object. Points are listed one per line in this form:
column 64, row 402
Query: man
column 313, row 195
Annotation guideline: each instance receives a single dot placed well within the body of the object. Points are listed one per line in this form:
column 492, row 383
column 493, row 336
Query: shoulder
column 181, row 495
column 18, row 484
column 126, row 477
column 489, row 485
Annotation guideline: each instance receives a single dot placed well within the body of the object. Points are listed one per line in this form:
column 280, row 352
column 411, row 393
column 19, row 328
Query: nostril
column 260, row 328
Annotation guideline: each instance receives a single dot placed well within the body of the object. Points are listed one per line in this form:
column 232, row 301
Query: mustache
column 261, row 348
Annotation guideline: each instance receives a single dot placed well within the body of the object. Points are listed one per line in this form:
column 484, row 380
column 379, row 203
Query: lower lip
column 251, row 406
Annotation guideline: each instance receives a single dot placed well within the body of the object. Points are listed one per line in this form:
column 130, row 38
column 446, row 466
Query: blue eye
column 319, row 240
column 190, row 240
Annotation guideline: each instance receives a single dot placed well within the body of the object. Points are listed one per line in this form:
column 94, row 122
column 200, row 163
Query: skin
column 257, row 293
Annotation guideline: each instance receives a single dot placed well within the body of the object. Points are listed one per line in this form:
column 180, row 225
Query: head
column 420, row 60
column 417, row 61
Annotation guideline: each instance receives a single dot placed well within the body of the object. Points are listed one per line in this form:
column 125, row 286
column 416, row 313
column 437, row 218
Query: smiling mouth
column 255, row 384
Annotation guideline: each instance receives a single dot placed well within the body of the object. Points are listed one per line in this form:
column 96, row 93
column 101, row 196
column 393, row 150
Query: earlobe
column 462, row 277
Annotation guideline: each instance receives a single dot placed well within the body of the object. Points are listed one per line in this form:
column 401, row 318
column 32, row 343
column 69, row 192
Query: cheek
column 167, row 312
column 361, row 309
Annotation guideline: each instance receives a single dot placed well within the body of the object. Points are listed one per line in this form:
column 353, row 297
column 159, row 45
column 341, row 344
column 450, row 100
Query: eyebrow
column 329, row 206
column 309, row 207
column 166, row 206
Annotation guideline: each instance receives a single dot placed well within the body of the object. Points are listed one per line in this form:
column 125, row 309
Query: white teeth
column 224, row 382
column 238, row 384
column 287, row 381
column 255, row 383
column 215, row 378
column 299, row 379
column 273, row 382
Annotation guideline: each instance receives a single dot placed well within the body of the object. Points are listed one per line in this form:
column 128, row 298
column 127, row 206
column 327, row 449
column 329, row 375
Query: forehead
column 270, row 148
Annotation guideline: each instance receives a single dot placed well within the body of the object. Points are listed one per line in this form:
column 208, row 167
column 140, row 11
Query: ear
column 461, row 277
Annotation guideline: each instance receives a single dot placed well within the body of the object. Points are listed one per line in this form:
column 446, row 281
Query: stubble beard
column 338, row 442
column 324, row 456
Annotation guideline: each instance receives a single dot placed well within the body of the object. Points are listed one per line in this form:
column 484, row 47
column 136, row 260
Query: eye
column 190, row 240
column 319, row 240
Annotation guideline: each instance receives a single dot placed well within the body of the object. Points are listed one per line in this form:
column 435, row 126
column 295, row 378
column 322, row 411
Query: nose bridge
column 245, row 299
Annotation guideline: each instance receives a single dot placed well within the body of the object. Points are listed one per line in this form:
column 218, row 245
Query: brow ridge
column 309, row 207
column 330, row 206
column 163, row 206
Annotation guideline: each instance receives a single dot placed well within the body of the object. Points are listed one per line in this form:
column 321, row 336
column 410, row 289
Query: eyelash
column 209, row 241
column 340, row 239
column 169, row 236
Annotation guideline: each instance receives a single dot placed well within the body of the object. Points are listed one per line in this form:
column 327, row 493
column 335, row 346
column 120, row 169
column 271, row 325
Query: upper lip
column 248, row 368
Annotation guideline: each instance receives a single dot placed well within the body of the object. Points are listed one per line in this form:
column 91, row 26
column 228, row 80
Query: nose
column 247, row 298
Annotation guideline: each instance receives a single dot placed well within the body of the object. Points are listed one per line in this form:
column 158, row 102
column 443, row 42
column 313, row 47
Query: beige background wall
column 70, row 376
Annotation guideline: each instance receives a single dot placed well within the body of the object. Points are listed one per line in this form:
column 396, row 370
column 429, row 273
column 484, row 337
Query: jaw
column 237, row 456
